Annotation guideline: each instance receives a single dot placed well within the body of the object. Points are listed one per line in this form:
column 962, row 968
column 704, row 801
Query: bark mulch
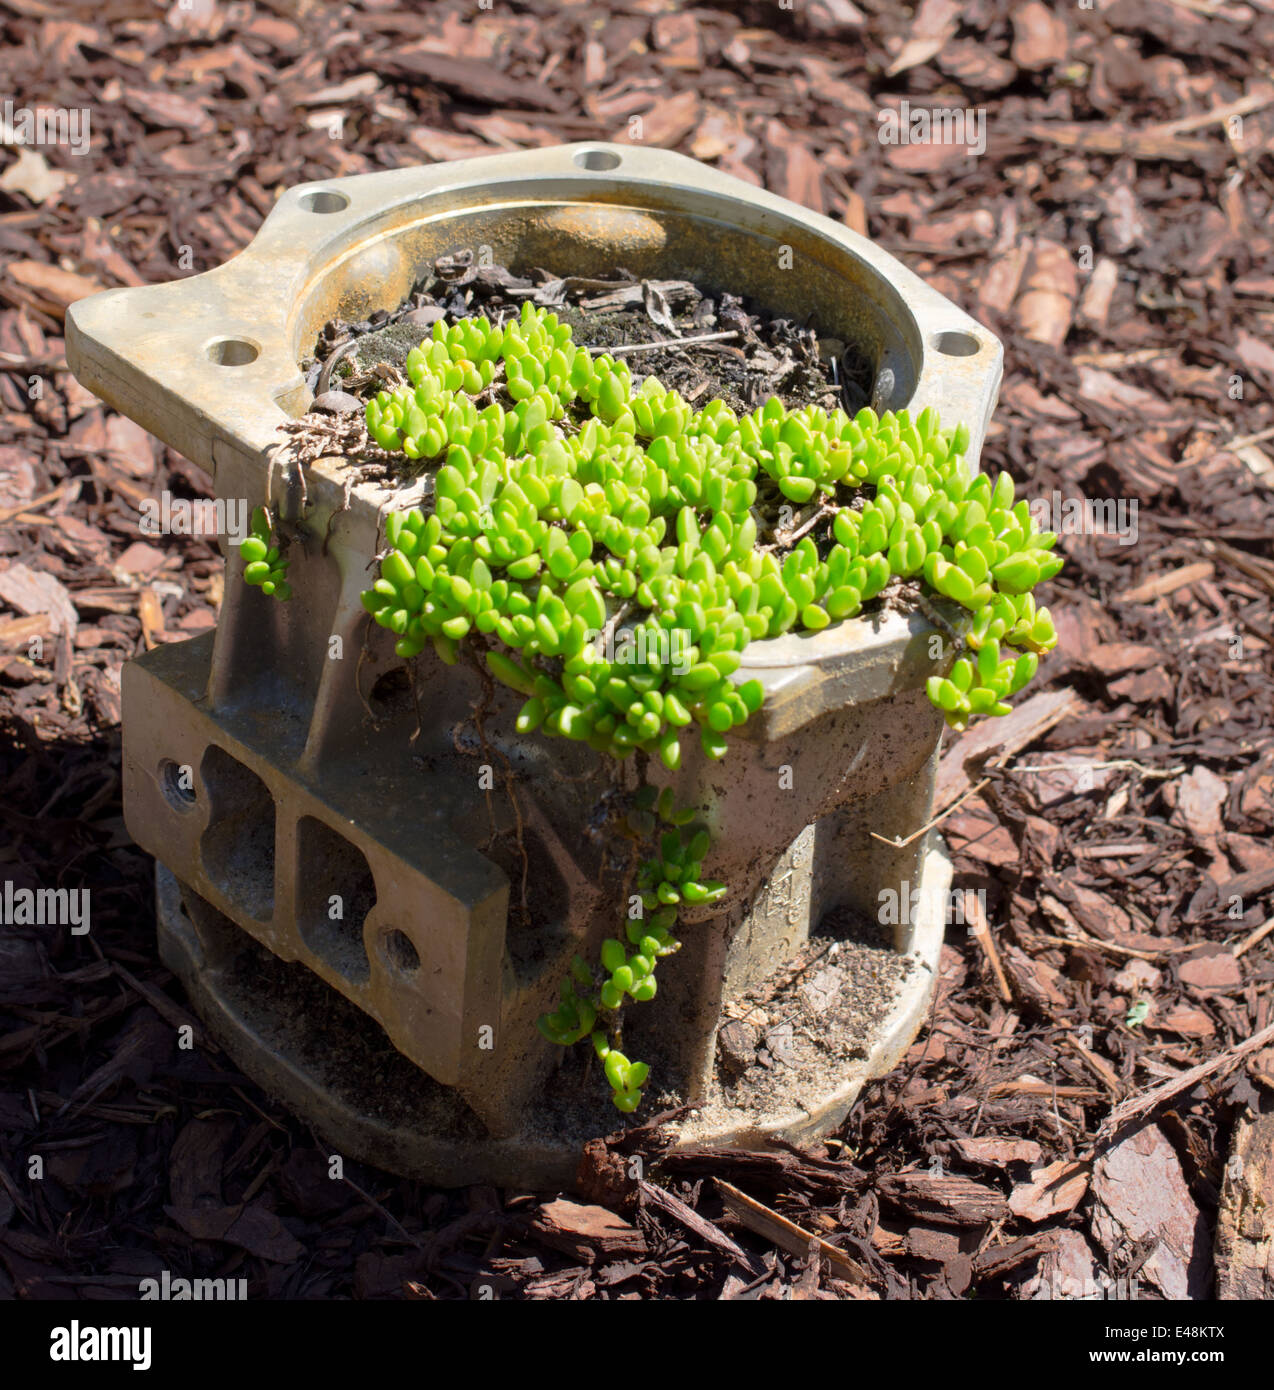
column 1102, row 1032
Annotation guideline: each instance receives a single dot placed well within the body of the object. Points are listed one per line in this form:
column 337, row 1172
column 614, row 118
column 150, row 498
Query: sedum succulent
column 585, row 500
column 263, row 561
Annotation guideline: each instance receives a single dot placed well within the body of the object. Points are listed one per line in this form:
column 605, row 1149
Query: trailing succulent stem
column 575, row 505
column 263, row 560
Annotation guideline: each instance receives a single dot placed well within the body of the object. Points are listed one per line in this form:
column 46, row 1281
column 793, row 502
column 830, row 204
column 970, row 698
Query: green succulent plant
column 263, row 560
column 585, row 501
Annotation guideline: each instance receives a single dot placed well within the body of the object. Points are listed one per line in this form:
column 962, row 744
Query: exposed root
column 358, row 672
column 415, row 701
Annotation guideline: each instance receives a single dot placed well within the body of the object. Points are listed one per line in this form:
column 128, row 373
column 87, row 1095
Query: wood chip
column 583, row 1232
column 51, row 287
column 787, row 1235
column 1161, row 585
column 674, row 1207
column 1052, row 1191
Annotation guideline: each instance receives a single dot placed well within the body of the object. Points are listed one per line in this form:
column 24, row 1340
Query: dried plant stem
column 625, row 348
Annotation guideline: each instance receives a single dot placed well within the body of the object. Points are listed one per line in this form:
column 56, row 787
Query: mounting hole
column 232, row 352
column 955, row 343
column 597, row 160
column 392, row 696
column 399, row 952
column 323, row 200
column 177, row 782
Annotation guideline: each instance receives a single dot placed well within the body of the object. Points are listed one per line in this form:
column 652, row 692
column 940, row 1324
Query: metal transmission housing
column 311, row 782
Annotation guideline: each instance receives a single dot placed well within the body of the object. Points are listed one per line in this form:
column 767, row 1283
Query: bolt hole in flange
column 399, row 952
column 232, row 352
column 323, row 200
column 176, row 781
column 955, row 343
column 597, row 160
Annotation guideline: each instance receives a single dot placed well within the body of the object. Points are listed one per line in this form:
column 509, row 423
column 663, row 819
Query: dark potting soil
column 769, row 355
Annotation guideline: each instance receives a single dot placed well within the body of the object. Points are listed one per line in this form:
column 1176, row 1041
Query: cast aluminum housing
column 316, row 781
